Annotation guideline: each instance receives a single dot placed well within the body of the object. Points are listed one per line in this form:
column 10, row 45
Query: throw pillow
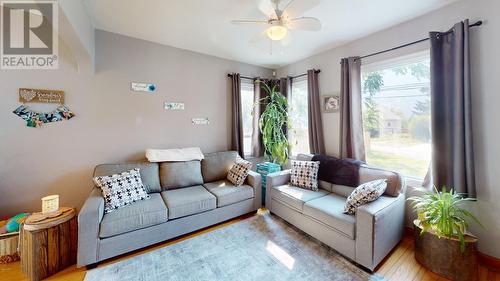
column 120, row 190
column 363, row 194
column 304, row 174
column 239, row 172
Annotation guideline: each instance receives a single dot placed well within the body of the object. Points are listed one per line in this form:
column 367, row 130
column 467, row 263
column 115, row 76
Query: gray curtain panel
column 236, row 118
column 453, row 157
column 316, row 137
column 351, row 115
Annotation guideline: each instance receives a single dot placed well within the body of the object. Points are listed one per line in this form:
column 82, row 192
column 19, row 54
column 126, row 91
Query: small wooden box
column 50, row 249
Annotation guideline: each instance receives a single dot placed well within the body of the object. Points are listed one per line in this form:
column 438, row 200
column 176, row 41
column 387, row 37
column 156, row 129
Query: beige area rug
column 263, row 247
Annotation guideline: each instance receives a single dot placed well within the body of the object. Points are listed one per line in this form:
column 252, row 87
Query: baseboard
column 488, row 261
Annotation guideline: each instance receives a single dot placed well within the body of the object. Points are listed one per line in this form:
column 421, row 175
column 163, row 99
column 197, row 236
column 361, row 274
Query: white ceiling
column 204, row 25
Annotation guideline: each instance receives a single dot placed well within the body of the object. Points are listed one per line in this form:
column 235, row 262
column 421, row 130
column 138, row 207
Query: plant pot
column 444, row 257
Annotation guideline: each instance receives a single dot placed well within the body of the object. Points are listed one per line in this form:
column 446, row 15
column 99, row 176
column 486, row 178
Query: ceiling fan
column 281, row 18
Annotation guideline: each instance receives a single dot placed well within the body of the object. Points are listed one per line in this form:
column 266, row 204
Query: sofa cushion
column 216, row 165
column 304, row 174
column 149, row 173
column 139, row 215
column 180, row 174
column 227, row 193
column 366, row 192
column 394, row 180
column 329, row 210
column 188, row 201
column 295, row 197
column 239, row 172
column 120, row 190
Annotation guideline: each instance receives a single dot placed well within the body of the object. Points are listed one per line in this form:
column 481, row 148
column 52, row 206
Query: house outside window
column 299, row 134
column 247, row 103
column 396, row 114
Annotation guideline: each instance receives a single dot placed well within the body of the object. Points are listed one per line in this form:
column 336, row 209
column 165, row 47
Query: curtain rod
column 293, row 77
column 478, row 23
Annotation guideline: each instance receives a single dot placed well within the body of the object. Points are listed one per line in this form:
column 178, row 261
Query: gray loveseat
column 366, row 237
column 185, row 196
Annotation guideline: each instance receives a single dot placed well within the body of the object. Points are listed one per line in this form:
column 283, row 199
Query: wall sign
column 174, row 105
column 200, row 121
column 40, row 96
column 143, row 87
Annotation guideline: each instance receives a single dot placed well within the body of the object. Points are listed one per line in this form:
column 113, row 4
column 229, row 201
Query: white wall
column 112, row 124
column 485, row 84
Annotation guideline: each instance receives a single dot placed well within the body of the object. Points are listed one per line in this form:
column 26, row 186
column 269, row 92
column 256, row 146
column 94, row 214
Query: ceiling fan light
column 276, row 32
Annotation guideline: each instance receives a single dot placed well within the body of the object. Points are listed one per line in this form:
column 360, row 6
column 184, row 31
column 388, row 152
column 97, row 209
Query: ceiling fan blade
column 249, row 22
column 304, row 23
column 295, row 8
column 266, row 7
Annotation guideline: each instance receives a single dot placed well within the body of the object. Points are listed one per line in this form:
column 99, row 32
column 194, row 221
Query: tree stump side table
column 48, row 243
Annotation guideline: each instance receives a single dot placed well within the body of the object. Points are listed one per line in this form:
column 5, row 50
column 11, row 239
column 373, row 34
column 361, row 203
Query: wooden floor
column 400, row 264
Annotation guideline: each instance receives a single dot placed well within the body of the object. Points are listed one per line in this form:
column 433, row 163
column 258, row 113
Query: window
column 299, row 135
column 247, row 102
column 396, row 114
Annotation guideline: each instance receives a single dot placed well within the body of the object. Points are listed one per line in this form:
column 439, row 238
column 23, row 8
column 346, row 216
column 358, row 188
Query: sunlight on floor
column 280, row 254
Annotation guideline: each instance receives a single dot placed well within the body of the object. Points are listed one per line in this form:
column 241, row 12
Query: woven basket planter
column 9, row 247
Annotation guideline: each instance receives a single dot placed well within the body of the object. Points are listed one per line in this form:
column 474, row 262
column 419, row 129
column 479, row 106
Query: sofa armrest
column 275, row 179
column 255, row 180
column 379, row 227
column 89, row 220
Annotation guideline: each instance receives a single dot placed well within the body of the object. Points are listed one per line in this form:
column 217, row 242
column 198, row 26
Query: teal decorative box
column 264, row 169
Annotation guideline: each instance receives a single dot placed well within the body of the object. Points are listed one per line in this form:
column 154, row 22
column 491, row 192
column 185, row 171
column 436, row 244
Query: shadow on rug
column 263, row 247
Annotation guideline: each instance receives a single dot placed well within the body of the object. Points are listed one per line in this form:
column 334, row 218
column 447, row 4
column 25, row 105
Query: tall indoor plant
column 273, row 125
column 442, row 243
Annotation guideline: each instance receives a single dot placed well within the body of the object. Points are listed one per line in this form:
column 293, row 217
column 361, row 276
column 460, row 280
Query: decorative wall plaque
column 143, row 87
column 40, row 96
column 174, row 105
column 200, row 121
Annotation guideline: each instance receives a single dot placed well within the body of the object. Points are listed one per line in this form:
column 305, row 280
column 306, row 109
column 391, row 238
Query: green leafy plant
column 273, row 124
column 440, row 213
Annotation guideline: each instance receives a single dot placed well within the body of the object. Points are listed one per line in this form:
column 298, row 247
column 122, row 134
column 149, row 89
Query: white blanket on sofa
column 174, row 155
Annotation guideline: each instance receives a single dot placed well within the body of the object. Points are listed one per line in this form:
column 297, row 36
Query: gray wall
column 112, row 123
column 485, row 71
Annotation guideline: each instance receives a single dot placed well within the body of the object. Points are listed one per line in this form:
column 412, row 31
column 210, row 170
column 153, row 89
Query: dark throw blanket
column 338, row 171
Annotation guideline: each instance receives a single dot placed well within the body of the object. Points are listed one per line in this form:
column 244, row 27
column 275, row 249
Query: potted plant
column 442, row 243
column 273, row 124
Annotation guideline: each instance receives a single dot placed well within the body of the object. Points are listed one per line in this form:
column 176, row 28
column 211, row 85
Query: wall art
column 174, row 105
column 200, row 121
column 27, row 95
column 36, row 119
column 331, row 103
column 143, row 87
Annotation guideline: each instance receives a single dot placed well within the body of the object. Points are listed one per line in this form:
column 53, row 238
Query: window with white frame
column 298, row 134
column 247, row 103
column 396, row 114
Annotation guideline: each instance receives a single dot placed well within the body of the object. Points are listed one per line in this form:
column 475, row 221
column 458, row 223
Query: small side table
column 48, row 243
column 264, row 169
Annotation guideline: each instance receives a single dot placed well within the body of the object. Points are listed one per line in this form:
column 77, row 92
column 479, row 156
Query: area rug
column 262, row 247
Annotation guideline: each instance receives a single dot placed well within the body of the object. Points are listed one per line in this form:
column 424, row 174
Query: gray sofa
column 185, row 196
column 366, row 237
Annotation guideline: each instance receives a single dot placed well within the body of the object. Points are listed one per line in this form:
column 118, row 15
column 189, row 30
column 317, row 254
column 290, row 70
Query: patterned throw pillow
column 304, row 174
column 120, row 190
column 363, row 194
column 239, row 172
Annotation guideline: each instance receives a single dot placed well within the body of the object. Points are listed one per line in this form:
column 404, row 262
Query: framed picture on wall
column 331, row 103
